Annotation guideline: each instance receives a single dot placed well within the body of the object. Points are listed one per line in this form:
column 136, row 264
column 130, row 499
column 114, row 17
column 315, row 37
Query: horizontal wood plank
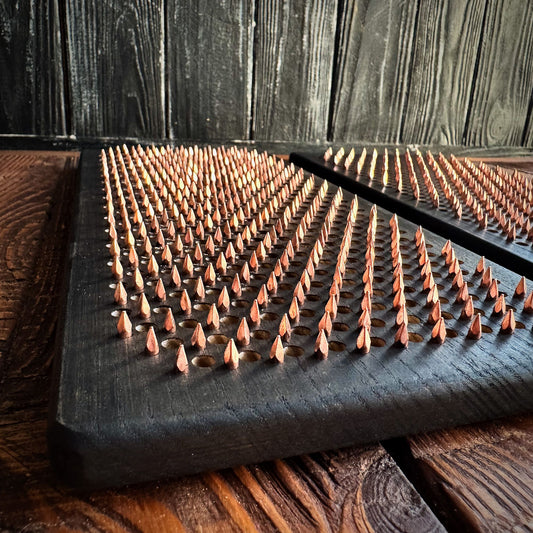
column 484, row 472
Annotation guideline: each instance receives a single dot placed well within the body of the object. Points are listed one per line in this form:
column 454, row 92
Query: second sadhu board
column 486, row 208
column 225, row 307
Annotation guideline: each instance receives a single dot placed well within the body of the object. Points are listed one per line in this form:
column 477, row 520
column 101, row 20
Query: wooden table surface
column 475, row 478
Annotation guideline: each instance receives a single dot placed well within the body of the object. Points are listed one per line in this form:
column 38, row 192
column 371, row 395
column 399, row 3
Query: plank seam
column 65, row 64
column 412, row 56
column 527, row 123
column 251, row 129
column 474, row 76
column 334, row 71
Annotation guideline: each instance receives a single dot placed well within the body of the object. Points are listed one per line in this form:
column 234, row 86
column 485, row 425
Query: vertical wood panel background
column 418, row 71
column 209, row 60
column 116, row 67
column 32, row 99
column 293, row 69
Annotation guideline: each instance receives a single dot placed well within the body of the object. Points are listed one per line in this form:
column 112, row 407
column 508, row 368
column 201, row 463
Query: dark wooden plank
column 116, row 74
column 480, row 477
column 373, row 70
column 209, row 68
column 445, row 51
column 357, row 489
column 26, row 178
column 293, row 69
column 502, row 89
column 32, row 96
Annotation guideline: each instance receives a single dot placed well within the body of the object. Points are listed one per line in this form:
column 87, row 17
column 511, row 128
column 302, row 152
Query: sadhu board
column 306, row 353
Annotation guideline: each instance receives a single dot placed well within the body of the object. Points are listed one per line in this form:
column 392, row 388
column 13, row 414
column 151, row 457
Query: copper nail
column 231, row 355
column 255, row 314
column 198, row 337
column 210, row 246
column 221, row 264
column 499, row 307
column 401, row 316
column 213, row 319
column 462, row 295
column 151, row 346
column 124, row 326
column 177, row 246
column 294, row 310
column 187, row 267
column 262, row 296
column 144, row 307
column 364, row 319
column 197, row 255
column 185, row 302
column 521, row 288
column 175, row 277
column 363, row 340
column 325, row 323
column 133, row 258
column 285, row 328
column 474, row 332
column 117, row 269
column 170, row 324
column 223, row 300
column 276, row 352
column 243, row 333
column 492, row 292
column 230, row 253
column 468, row 309
column 182, row 365
column 160, row 293
column 199, row 289
column 508, row 322
column 331, row 307
column 209, row 275
column 120, row 295
column 245, row 273
column 435, row 314
column 321, row 345
column 402, row 336
column 480, row 268
column 486, row 278
column 138, row 282
column 528, row 304
column 438, row 333
column 433, row 296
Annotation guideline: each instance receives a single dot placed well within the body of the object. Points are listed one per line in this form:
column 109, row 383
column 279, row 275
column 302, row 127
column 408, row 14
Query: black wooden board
column 120, row 416
column 491, row 242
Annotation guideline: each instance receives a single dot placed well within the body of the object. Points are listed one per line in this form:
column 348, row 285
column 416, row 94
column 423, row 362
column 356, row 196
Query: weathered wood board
column 491, row 241
column 121, row 416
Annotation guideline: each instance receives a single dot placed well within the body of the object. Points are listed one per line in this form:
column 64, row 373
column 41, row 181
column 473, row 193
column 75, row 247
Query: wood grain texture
column 502, row 90
column 357, row 489
column 116, row 68
column 28, row 183
column 32, row 97
column 294, row 55
column 481, row 476
column 445, row 50
column 373, row 70
column 209, row 68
